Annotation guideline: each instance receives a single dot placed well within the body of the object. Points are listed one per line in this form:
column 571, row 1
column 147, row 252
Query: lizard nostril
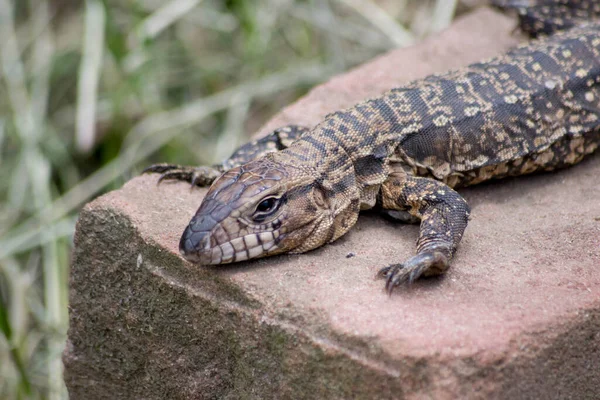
column 192, row 242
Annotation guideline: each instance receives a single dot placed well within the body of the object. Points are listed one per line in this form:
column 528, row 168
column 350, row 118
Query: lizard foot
column 427, row 263
column 197, row 176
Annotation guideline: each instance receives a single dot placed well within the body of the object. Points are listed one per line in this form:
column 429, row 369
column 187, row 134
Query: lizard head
column 262, row 208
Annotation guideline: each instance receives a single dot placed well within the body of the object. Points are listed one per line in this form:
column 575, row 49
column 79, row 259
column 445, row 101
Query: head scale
column 267, row 207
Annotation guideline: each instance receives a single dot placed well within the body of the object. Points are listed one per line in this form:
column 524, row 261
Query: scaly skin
column 544, row 17
column 535, row 109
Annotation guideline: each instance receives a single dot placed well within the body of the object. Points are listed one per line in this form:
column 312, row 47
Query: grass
column 93, row 91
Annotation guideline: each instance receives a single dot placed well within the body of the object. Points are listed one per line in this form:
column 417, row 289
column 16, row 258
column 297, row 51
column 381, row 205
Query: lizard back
column 535, row 108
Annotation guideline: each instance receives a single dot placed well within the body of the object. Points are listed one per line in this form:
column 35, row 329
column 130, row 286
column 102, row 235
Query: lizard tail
column 544, row 17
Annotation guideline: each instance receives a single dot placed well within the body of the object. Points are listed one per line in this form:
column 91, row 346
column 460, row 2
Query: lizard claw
column 196, row 176
column 160, row 168
column 175, row 174
column 430, row 263
column 383, row 272
column 395, row 275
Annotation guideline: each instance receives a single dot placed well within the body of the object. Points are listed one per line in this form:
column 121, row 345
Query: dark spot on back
column 343, row 185
column 369, row 165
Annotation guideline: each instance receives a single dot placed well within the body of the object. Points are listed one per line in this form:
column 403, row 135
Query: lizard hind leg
column 443, row 214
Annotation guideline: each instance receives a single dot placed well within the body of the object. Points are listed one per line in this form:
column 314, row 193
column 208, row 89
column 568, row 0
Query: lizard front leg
column 443, row 214
column 204, row 176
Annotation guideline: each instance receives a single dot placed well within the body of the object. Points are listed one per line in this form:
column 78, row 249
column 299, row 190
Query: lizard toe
column 427, row 263
column 200, row 176
column 383, row 272
column 160, row 168
column 393, row 273
column 179, row 174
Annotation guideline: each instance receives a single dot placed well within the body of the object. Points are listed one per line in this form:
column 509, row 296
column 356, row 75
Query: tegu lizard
column 536, row 108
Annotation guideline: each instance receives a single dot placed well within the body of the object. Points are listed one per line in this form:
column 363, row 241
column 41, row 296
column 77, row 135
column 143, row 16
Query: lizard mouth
column 196, row 247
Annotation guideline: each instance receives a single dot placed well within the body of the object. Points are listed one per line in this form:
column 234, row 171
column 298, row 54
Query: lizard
column 535, row 108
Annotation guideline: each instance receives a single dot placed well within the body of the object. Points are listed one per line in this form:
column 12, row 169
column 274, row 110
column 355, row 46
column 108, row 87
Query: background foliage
column 92, row 91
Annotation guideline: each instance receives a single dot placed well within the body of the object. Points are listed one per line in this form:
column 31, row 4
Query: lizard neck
column 366, row 136
column 332, row 176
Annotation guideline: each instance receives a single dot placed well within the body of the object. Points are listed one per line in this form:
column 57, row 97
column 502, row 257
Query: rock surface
column 517, row 315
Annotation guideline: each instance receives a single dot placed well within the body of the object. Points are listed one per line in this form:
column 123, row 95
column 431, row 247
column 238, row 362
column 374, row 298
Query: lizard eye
column 266, row 207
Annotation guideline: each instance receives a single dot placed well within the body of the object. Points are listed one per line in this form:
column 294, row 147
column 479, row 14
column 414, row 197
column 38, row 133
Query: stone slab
column 517, row 315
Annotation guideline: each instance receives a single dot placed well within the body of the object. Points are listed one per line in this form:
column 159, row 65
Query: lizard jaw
column 196, row 247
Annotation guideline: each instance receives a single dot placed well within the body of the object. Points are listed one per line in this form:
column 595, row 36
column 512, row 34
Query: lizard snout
column 194, row 243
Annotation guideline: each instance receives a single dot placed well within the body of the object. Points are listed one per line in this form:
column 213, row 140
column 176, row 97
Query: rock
column 517, row 315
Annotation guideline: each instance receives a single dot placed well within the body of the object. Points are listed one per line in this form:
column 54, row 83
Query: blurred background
column 93, row 91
